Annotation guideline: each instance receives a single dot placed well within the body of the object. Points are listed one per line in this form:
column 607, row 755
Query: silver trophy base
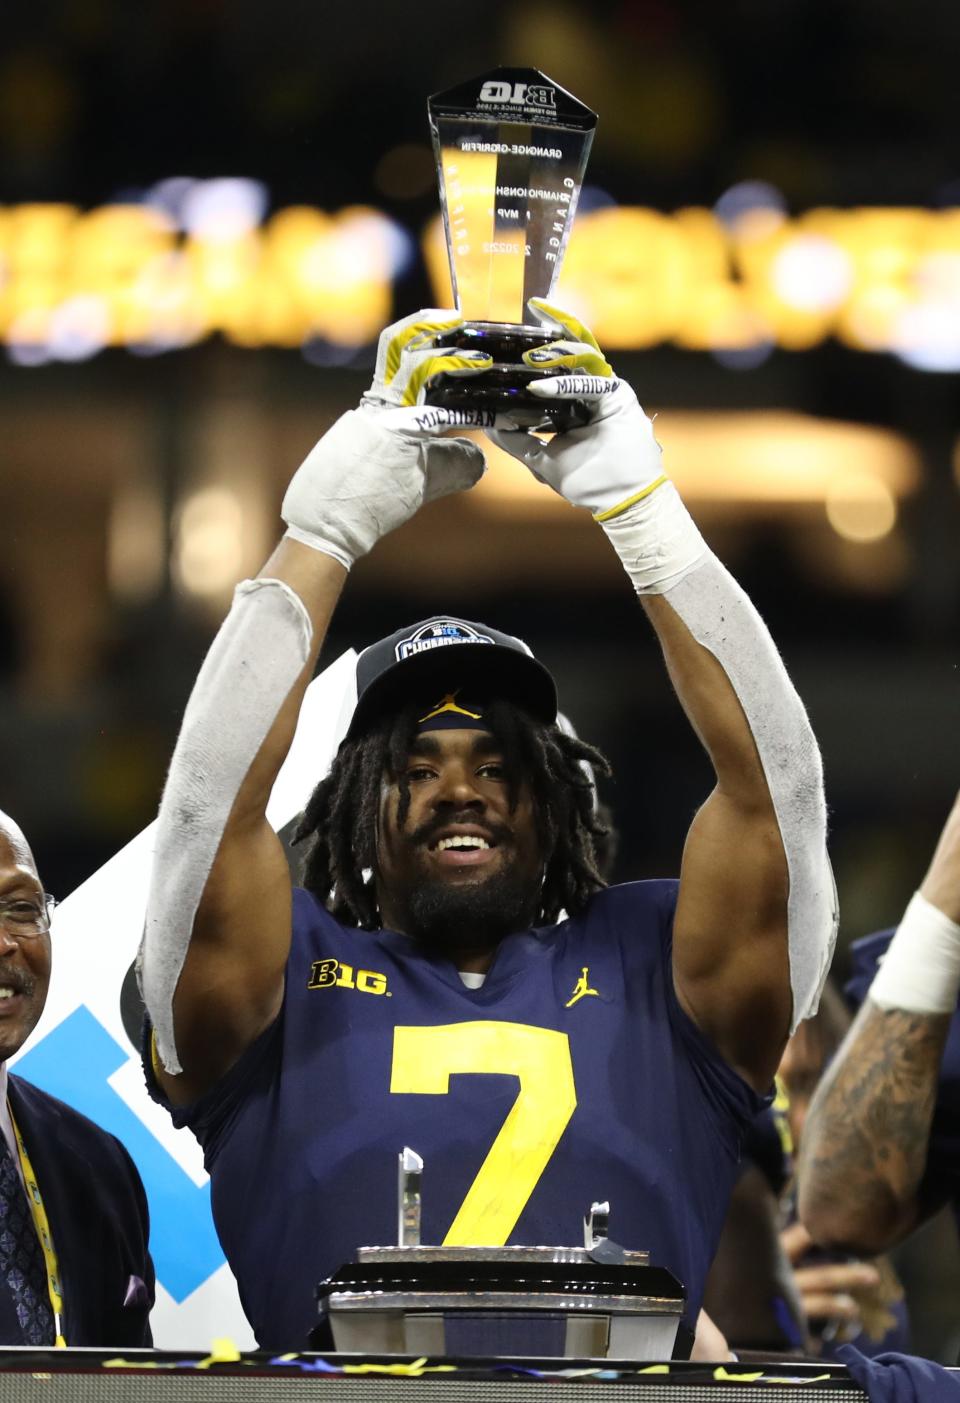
column 535, row 1302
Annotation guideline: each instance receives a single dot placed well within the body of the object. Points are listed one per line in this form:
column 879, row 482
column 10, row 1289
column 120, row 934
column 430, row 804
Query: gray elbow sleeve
column 256, row 658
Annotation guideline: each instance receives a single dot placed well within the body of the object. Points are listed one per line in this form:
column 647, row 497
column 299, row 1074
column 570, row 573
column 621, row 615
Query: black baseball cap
column 443, row 652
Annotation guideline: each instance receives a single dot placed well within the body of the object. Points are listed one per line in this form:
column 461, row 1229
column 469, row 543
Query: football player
column 420, row 989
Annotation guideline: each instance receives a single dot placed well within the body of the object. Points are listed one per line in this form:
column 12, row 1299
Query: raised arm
column 218, row 924
column 731, row 941
column 866, row 1138
column 756, row 918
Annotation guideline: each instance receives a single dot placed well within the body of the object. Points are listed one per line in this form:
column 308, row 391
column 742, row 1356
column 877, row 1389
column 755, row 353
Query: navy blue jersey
column 942, row 1177
column 571, row 1076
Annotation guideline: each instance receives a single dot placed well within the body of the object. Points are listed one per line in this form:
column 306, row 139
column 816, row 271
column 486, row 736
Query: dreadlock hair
column 340, row 820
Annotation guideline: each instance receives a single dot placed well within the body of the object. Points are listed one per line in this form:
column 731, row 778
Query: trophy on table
column 598, row 1301
column 511, row 149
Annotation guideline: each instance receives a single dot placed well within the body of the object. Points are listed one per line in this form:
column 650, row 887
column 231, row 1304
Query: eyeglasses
column 25, row 917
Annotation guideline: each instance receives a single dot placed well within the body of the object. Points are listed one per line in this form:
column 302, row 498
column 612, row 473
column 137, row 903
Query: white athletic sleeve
column 254, row 661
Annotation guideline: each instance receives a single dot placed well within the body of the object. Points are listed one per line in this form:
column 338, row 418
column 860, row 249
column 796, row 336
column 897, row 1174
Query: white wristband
column 655, row 538
column 921, row 969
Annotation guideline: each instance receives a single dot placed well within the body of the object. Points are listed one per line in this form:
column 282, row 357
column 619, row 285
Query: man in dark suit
column 74, row 1264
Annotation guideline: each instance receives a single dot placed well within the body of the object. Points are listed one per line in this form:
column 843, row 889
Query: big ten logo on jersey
column 337, row 974
column 519, row 94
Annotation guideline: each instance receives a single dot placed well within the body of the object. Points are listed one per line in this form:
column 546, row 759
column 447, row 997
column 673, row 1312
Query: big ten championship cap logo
column 519, row 94
column 438, row 635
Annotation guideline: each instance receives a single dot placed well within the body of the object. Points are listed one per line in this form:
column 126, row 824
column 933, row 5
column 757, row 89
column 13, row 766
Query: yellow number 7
column 423, row 1061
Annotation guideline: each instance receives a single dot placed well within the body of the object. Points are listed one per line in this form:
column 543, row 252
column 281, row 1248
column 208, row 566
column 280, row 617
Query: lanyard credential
column 42, row 1225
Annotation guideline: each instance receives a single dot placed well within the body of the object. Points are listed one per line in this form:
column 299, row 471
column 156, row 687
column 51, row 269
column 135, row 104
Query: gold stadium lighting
column 209, row 542
column 302, row 274
column 139, row 275
column 640, row 278
column 136, row 540
column 860, row 507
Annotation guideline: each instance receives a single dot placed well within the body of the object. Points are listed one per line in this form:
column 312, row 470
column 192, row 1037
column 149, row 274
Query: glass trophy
column 511, row 149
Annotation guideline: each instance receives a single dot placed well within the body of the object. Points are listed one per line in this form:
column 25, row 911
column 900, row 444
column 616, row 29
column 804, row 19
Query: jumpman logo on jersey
column 582, row 988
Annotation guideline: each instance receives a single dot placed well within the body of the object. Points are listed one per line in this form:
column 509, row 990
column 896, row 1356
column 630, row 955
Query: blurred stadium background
column 208, row 210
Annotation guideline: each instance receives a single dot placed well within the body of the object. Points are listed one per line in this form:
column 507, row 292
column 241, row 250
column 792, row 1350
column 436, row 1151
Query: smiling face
column 24, row 964
column 462, row 870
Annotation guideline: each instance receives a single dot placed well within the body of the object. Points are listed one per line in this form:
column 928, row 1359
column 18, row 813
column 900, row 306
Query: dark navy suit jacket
column 97, row 1211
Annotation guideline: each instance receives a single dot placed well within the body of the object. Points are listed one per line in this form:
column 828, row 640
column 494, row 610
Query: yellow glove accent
column 621, row 507
column 415, row 331
column 577, row 330
column 450, row 364
column 580, row 355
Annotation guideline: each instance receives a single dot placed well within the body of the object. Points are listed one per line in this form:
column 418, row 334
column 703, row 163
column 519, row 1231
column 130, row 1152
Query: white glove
column 614, row 460
column 378, row 464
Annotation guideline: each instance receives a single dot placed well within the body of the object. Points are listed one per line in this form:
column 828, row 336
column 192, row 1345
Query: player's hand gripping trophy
column 511, row 151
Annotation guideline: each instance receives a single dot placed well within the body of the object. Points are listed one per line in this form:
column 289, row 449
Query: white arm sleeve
column 664, row 553
column 255, row 659
column 721, row 617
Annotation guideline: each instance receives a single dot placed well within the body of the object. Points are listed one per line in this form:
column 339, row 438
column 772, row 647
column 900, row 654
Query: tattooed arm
column 865, row 1142
column 864, row 1148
